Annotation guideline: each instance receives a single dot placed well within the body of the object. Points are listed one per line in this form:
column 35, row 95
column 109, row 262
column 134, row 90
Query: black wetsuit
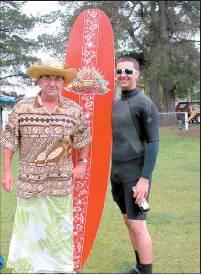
column 135, row 144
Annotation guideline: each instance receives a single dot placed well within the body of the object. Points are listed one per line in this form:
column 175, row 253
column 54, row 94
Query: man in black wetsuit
column 134, row 152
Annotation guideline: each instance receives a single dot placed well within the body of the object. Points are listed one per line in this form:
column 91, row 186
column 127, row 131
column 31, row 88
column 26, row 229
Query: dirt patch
column 192, row 132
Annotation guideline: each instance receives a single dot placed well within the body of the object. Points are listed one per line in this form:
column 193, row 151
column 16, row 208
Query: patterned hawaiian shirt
column 45, row 141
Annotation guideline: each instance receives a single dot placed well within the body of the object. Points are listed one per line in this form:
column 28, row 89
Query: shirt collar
column 128, row 93
column 39, row 103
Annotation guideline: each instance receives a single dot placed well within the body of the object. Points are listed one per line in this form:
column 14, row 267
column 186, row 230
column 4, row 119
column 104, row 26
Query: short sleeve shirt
column 45, row 142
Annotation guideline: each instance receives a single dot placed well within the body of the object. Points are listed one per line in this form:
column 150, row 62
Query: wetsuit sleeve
column 151, row 153
column 149, row 121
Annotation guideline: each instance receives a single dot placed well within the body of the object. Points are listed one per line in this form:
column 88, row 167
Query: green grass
column 174, row 221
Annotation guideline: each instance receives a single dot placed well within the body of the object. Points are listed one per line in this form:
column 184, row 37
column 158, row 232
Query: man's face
column 51, row 85
column 126, row 75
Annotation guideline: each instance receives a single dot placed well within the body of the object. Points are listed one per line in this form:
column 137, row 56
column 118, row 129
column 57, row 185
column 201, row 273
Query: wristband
column 83, row 160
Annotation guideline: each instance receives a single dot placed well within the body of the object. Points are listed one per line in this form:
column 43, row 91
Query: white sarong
column 42, row 237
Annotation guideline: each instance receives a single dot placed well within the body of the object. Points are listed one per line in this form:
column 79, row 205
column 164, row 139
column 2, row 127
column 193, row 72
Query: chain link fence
column 179, row 120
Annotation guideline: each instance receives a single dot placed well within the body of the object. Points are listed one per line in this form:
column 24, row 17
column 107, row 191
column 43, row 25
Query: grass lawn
column 174, row 221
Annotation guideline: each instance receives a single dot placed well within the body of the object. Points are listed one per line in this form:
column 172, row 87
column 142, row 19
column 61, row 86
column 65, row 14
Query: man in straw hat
column 44, row 128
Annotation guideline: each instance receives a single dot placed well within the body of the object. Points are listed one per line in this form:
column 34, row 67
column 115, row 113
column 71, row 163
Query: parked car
column 192, row 108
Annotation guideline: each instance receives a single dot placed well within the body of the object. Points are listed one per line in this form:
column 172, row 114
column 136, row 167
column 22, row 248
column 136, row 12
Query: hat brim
column 36, row 71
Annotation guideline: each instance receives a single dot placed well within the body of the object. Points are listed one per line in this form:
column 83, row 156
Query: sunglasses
column 127, row 71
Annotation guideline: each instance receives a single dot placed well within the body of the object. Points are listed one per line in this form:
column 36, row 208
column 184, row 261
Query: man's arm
column 80, row 169
column 150, row 124
column 7, row 177
column 142, row 186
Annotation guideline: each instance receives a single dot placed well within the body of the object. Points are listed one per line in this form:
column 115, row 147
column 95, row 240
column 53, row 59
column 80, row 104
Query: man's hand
column 79, row 171
column 7, row 181
column 141, row 192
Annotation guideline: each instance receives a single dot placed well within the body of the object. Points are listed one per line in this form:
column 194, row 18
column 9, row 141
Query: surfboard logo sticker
column 89, row 81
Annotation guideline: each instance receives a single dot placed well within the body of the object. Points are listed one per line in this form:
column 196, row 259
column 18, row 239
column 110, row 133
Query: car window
column 182, row 105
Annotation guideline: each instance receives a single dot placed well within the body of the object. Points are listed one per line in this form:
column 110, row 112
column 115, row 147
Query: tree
column 17, row 50
column 179, row 73
column 158, row 33
column 67, row 14
column 171, row 56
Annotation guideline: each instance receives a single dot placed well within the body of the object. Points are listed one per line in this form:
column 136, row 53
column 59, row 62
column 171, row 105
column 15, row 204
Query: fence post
column 186, row 121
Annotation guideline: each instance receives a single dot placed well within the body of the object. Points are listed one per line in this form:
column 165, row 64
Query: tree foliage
column 169, row 54
column 17, row 49
column 160, row 34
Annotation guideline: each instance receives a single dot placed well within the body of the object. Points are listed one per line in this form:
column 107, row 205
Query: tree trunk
column 154, row 77
column 154, row 91
column 169, row 101
column 113, row 12
column 165, row 60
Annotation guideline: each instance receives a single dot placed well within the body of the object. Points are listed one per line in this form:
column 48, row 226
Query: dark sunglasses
column 127, row 71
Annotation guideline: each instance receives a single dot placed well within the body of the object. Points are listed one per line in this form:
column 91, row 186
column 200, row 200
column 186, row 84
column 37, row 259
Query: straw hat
column 52, row 67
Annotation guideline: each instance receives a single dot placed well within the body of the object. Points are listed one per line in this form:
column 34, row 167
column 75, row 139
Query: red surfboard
column 90, row 49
